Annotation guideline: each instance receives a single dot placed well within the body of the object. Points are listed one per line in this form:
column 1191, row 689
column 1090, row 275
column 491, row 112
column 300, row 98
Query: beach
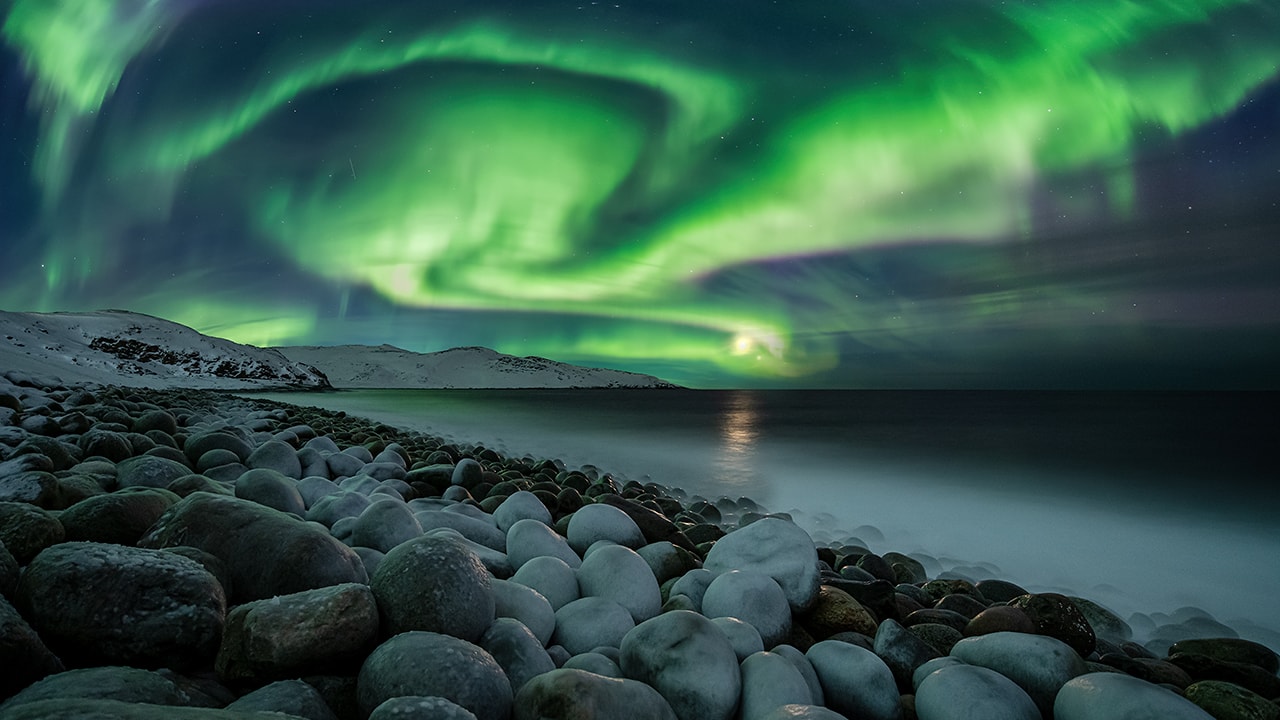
column 178, row 553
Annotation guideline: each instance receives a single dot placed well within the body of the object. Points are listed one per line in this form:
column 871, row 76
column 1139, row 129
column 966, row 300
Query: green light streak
column 524, row 183
column 77, row 51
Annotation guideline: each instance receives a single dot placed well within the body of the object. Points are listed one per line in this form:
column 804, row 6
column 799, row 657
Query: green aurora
column 810, row 194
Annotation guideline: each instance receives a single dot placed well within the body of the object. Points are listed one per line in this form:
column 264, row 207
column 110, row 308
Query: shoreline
column 884, row 590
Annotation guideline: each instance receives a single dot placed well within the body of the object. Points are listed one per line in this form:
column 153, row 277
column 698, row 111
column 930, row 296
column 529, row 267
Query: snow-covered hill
column 114, row 347
column 385, row 366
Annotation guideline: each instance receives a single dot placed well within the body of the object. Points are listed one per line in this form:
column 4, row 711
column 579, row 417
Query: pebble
column 302, row 556
column 770, row 681
column 574, row 694
column 967, row 692
column 97, row 603
column 419, row 707
column 596, row 522
column 689, row 661
column 554, row 579
column 744, row 638
column 774, row 547
column 619, row 574
column 433, row 584
column 305, row 606
column 1114, row 696
column 753, row 598
column 1227, row 701
column 272, row 489
column 515, row 648
column 385, row 524
column 513, row 600
column 293, row 635
column 903, row 652
column 1039, row 665
column 435, row 665
column 591, row 622
column 522, row 505
column 855, row 681
column 288, row 697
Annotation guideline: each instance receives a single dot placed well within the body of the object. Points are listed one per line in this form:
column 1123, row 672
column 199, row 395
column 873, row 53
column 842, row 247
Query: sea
column 1162, row 506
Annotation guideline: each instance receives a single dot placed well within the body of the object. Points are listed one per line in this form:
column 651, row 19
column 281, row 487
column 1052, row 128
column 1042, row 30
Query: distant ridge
column 387, row 366
column 118, row 347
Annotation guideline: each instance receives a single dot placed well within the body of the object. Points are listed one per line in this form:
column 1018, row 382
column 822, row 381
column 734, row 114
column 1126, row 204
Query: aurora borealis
column 959, row 193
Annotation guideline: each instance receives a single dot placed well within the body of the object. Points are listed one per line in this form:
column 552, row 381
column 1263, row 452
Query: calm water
column 1147, row 502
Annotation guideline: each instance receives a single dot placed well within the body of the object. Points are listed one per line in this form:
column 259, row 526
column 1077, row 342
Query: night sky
column 948, row 193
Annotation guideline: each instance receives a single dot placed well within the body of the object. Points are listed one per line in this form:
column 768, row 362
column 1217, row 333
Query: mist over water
column 1148, row 503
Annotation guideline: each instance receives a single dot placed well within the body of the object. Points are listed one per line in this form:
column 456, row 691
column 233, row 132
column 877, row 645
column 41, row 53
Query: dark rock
column 514, row 647
column 1226, row 701
column 271, row 488
column 155, row 420
column 1106, row 624
column 22, row 653
column 301, row 556
column 34, row 487
column 113, row 446
column 572, row 694
column 216, row 458
column 999, row 590
column 938, row 589
column 938, row 636
column 9, row 572
column 62, row 455
column 835, row 611
column 878, row 596
column 655, row 526
column 906, row 569
column 189, row 484
column 1057, row 617
column 434, row 584
column 293, row 698
column 124, row 684
column 1231, row 650
column 101, row 603
column 149, row 471
column 120, row 517
column 420, row 707
column 1001, row 618
column 966, row 605
column 277, row 456
column 1153, row 671
column 41, row 425
column 902, row 651
column 467, row 473
column 950, row 618
column 688, row 660
column 198, row 445
column 435, row 665
column 288, row 636
column 878, row 567
column 26, row 530
column 1246, row 675
column 384, row 525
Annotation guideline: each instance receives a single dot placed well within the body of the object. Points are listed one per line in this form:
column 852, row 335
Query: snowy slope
column 122, row 348
column 385, row 366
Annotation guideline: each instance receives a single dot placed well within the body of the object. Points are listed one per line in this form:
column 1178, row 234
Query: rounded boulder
column 102, row 603
column 434, row 584
column 686, row 658
column 419, row 663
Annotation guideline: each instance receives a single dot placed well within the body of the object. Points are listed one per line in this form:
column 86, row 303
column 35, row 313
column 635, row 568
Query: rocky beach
column 193, row 554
